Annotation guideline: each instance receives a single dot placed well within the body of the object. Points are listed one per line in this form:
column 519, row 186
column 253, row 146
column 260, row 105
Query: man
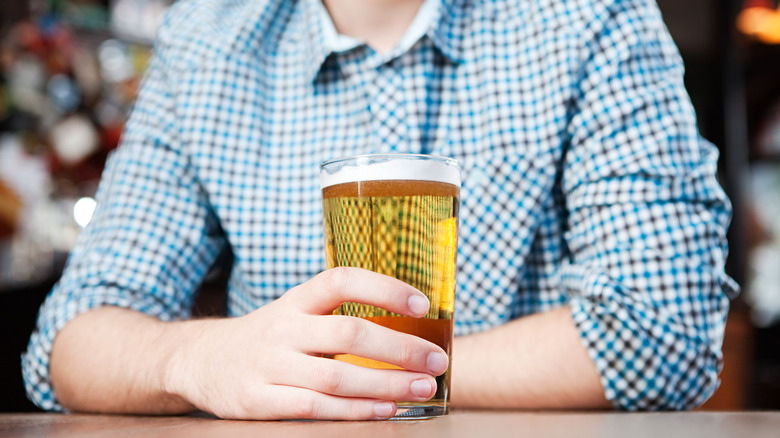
column 590, row 267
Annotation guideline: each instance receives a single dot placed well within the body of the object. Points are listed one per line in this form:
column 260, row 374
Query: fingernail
column 437, row 363
column 421, row 388
column 383, row 409
column 418, row 304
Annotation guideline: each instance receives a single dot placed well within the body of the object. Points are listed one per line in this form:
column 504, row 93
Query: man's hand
column 269, row 364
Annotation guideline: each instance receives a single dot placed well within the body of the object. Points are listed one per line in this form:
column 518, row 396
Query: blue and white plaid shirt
column 585, row 181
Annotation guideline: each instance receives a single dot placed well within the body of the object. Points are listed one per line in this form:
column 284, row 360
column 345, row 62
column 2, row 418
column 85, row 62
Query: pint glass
column 397, row 215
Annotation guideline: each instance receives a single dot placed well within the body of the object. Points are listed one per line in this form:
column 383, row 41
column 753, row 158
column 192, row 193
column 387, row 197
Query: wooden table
column 471, row 424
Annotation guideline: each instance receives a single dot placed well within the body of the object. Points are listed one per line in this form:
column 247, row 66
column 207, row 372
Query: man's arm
column 645, row 243
column 268, row 364
column 536, row 362
column 110, row 360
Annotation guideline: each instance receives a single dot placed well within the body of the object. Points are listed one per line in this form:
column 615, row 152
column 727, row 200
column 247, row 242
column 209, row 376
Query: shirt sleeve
column 647, row 219
column 152, row 237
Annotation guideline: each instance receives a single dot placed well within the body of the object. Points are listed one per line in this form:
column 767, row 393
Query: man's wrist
column 182, row 352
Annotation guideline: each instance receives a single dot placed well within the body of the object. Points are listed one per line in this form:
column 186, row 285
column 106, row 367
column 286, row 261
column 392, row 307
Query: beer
column 397, row 215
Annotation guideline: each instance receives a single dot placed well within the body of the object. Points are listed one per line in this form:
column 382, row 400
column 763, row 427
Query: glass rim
column 391, row 156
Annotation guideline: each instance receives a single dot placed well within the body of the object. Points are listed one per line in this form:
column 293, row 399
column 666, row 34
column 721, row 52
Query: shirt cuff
column 648, row 360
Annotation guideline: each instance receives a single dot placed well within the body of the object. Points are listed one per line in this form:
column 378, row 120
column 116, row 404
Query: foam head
column 390, row 167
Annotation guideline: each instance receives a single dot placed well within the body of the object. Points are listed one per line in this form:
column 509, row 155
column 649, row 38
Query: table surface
column 479, row 424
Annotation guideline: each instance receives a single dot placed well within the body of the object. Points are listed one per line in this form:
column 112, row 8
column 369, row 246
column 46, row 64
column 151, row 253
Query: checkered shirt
column 585, row 181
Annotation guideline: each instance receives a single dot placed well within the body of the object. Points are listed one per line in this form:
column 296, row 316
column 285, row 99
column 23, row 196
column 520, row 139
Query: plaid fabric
column 585, row 181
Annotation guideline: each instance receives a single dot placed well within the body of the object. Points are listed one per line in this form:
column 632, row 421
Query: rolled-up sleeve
column 152, row 237
column 647, row 219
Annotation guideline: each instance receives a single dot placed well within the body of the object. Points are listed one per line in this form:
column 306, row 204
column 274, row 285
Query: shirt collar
column 434, row 20
column 447, row 30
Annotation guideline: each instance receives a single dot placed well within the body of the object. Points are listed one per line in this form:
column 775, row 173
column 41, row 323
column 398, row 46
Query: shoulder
column 528, row 21
column 582, row 25
column 576, row 15
column 196, row 29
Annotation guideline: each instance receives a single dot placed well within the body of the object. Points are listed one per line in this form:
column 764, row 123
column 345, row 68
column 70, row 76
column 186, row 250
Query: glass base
column 411, row 411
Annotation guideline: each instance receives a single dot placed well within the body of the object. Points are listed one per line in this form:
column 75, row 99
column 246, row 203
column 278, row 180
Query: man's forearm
column 114, row 360
column 269, row 364
column 534, row 362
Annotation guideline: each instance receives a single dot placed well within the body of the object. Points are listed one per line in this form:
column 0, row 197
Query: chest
column 257, row 132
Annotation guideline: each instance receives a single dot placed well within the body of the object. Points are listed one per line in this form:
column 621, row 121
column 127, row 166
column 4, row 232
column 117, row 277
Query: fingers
column 337, row 335
column 344, row 334
column 329, row 289
column 294, row 381
column 288, row 402
column 338, row 378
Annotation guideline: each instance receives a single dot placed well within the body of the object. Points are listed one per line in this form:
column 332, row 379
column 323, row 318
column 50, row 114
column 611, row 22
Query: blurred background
column 70, row 70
